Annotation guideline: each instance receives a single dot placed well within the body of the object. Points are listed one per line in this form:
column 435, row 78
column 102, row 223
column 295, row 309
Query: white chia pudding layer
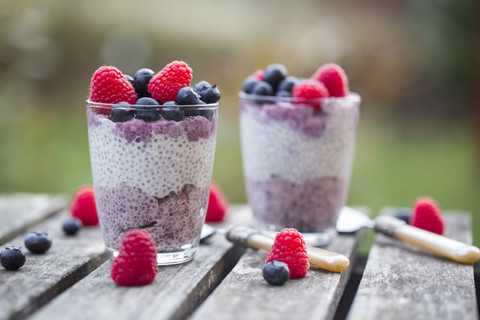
column 297, row 160
column 152, row 175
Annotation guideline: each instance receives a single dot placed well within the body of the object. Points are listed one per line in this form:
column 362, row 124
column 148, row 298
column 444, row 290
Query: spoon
column 351, row 220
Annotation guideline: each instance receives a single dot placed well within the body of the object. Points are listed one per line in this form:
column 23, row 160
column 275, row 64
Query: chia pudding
column 153, row 175
column 297, row 156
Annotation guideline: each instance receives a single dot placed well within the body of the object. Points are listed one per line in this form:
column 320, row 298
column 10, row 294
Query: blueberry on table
column 120, row 112
column 274, row 74
column 12, row 258
column 188, row 96
column 38, row 242
column 140, row 82
column 276, row 272
column 71, row 226
column 145, row 109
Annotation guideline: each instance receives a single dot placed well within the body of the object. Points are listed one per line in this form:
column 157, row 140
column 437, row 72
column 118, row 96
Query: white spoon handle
column 435, row 243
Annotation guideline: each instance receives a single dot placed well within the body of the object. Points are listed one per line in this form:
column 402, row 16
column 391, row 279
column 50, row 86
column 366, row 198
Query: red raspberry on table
column 136, row 263
column 82, row 206
column 166, row 83
column 427, row 215
column 217, row 204
column 109, row 85
column 310, row 89
column 334, row 78
column 290, row 248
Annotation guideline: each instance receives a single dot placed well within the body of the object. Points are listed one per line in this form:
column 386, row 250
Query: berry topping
column 38, row 242
column 166, row 83
column 284, row 94
column 310, row 89
column 217, row 204
column 287, row 84
column 136, row 263
column 334, row 78
column 129, row 78
column 427, row 215
column 71, row 226
column 121, row 112
column 202, row 85
column 188, row 96
column 249, row 83
column 172, row 112
column 12, row 258
column 140, row 82
column 109, row 85
column 210, row 94
column 276, row 272
column 274, row 74
column 147, row 109
column 83, row 206
column 262, row 88
column 258, row 74
column 290, row 248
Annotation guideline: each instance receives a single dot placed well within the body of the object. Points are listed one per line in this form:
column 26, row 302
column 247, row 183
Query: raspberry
column 334, row 78
column 310, row 89
column 109, row 85
column 217, row 205
column 83, row 206
column 290, row 248
column 166, row 83
column 136, row 263
column 427, row 215
column 258, row 74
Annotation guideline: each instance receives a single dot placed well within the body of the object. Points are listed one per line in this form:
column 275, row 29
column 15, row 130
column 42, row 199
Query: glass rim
column 352, row 96
column 206, row 106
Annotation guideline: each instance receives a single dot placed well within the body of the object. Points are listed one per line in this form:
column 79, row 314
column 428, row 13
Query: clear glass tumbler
column 152, row 169
column 297, row 159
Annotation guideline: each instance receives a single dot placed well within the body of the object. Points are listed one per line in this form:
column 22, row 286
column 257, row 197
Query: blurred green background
column 415, row 64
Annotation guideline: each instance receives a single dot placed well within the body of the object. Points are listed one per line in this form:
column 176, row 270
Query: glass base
column 314, row 239
column 167, row 258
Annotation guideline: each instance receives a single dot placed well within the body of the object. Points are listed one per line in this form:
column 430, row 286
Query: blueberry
column 276, row 272
column 140, row 82
column 249, row 83
column 202, row 85
column 274, row 74
column 38, row 242
column 71, row 226
column 119, row 113
column 173, row 112
column 403, row 215
column 206, row 113
column 287, row 84
column 144, row 109
column 188, row 96
column 210, row 94
column 129, row 78
column 283, row 93
column 12, row 258
column 262, row 88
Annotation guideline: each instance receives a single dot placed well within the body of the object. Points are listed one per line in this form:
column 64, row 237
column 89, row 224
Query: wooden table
column 224, row 281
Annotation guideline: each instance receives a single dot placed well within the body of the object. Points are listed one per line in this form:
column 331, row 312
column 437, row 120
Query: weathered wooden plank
column 45, row 276
column 403, row 282
column 175, row 293
column 20, row 211
column 245, row 295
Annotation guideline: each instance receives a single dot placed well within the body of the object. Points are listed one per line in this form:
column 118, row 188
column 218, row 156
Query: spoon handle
column 322, row 258
column 435, row 243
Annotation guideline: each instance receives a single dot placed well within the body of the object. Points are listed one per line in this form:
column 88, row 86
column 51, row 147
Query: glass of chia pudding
column 152, row 164
column 298, row 142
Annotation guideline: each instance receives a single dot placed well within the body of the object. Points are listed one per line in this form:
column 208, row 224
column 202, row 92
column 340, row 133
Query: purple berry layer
column 309, row 206
column 152, row 175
